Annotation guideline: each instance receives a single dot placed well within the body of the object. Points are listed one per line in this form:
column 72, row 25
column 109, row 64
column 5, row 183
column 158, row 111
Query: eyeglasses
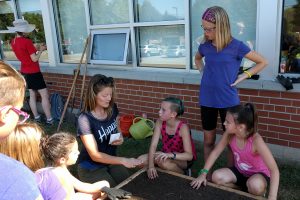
column 208, row 30
column 23, row 116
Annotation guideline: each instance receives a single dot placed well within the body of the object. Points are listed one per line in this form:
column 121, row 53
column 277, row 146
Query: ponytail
column 252, row 117
column 245, row 114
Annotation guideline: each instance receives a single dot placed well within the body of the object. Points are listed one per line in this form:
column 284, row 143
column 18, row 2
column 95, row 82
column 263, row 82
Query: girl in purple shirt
column 254, row 164
column 223, row 56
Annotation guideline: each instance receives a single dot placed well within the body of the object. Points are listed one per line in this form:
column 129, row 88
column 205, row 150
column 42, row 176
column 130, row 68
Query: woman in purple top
column 223, row 56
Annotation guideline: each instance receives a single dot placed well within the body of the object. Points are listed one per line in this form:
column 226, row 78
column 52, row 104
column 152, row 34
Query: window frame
column 109, row 32
column 283, row 71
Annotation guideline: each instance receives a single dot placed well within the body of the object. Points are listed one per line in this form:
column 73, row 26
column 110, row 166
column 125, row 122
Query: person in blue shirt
column 16, row 180
column 219, row 56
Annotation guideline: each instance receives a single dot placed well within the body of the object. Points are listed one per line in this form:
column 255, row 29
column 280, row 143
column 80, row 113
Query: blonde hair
column 12, row 85
column 97, row 83
column 223, row 31
column 23, row 144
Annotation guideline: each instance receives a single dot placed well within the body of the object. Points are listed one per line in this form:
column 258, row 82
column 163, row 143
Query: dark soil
column 169, row 187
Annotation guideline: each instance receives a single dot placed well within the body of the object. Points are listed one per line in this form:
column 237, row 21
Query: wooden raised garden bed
column 173, row 186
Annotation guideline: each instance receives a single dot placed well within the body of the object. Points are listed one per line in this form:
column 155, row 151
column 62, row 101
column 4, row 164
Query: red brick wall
column 279, row 112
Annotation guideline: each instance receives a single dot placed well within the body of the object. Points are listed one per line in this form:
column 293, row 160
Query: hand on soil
column 196, row 183
column 152, row 173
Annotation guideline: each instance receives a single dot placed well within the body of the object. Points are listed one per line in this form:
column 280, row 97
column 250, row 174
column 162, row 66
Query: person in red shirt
column 29, row 56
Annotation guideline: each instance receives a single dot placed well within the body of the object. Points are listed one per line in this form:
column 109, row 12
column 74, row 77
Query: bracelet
column 202, row 171
column 248, row 73
column 174, row 156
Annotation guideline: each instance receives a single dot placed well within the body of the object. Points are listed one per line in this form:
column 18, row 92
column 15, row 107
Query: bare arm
column 91, row 146
column 88, row 187
column 262, row 149
column 151, row 172
column 217, row 151
column 36, row 56
column 154, row 142
column 198, row 61
column 260, row 61
column 211, row 160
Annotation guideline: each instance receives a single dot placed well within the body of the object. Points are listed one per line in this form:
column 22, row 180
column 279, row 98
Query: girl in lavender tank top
column 178, row 147
column 254, row 164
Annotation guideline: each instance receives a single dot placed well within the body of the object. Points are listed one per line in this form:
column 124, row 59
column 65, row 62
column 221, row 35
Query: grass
column 289, row 187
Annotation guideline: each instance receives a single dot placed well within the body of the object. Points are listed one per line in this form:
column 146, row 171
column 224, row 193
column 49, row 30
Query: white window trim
column 110, row 32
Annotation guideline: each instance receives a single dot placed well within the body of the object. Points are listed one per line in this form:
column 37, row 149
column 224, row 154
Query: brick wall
column 278, row 112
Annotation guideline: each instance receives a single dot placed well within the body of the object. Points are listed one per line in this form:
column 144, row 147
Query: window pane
column 72, row 29
column 6, row 19
column 108, row 41
column 30, row 10
column 6, row 14
column 7, row 52
column 109, row 12
column 290, row 40
column 109, row 46
column 159, row 10
column 242, row 16
column 162, row 46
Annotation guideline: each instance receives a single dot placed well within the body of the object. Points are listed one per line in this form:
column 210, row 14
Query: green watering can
column 142, row 128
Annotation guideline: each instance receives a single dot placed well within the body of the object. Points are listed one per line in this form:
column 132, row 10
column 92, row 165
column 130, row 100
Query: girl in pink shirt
column 254, row 164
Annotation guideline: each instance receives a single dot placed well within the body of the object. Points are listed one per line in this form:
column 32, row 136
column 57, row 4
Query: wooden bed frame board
column 133, row 176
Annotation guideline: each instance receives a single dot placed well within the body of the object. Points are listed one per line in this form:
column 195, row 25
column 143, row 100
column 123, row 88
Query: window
column 156, row 46
column 109, row 46
column 30, row 10
column 6, row 19
column 158, row 10
column 242, row 16
column 160, row 30
column 6, row 14
column 290, row 37
column 72, row 29
column 165, row 29
column 109, row 12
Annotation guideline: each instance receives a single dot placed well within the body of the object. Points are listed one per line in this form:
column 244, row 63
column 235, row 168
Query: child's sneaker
column 50, row 121
column 38, row 119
